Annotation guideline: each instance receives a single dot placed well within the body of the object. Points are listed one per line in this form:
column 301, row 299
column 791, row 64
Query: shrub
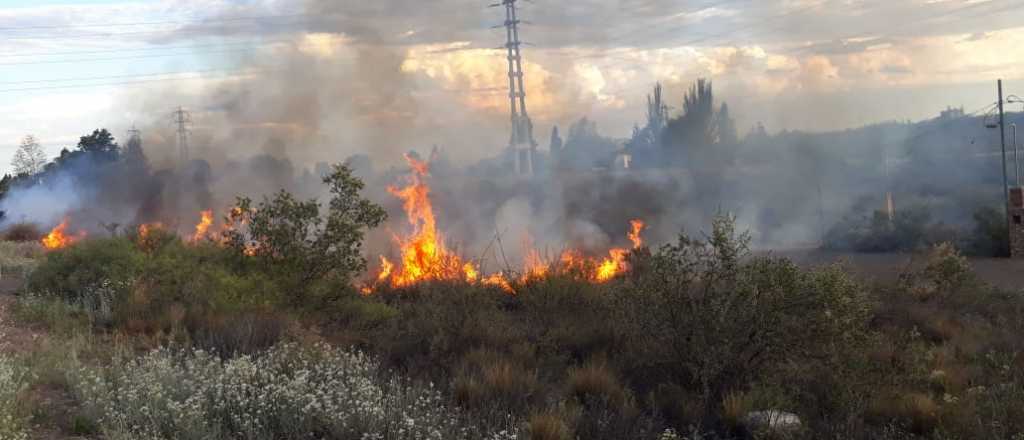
column 88, row 270
column 595, row 382
column 548, row 426
column 287, row 392
column 290, row 240
column 22, row 232
column 989, row 237
column 711, row 318
column 14, row 382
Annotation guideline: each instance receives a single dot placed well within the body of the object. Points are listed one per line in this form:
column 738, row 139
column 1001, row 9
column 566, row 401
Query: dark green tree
column 693, row 130
column 100, row 143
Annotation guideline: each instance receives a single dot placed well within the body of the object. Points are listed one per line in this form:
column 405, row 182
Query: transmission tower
column 182, row 119
column 521, row 142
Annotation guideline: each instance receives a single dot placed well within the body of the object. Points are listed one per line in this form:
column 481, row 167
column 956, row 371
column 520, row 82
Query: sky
column 326, row 78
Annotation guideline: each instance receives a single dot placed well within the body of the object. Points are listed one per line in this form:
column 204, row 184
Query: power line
column 149, row 23
column 205, row 30
column 141, row 49
column 98, row 78
column 110, row 84
column 131, row 57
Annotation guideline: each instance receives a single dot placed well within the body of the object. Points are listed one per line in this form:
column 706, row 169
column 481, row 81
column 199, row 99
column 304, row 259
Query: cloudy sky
column 329, row 78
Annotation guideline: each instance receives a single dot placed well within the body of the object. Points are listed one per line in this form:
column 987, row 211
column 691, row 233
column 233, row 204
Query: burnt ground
column 1003, row 273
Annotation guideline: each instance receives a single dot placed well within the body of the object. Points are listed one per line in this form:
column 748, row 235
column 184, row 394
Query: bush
column 287, row 392
column 710, row 318
column 909, row 230
column 989, row 237
column 89, row 271
column 23, row 232
column 290, row 240
column 14, row 382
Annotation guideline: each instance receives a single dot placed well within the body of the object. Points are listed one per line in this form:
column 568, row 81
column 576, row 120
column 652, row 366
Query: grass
column 693, row 341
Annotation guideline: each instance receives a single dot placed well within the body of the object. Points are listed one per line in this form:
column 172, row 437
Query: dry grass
column 548, row 426
column 595, row 381
column 22, row 232
column 735, row 406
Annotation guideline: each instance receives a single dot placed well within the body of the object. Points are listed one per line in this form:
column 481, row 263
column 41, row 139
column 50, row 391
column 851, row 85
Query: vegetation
column 264, row 337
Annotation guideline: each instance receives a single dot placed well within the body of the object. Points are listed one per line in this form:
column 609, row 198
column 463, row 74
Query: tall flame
column 203, row 227
column 634, row 235
column 59, row 239
column 424, row 256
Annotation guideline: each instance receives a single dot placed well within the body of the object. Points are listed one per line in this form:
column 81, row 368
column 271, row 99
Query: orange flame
column 634, row 235
column 205, row 222
column 424, row 256
column 148, row 228
column 386, row 267
column 58, row 239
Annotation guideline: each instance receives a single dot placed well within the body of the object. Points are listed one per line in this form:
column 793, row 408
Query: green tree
column 290, row 239
column 100, row 144
column 694, row 129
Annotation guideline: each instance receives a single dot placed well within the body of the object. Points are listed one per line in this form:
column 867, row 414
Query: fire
column 424, row 256
column 386, row 267
column 634, row 235
column 58, row 238
column 148, row 228
column 205, row 222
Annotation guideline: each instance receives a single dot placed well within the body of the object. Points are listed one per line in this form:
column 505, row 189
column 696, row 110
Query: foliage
column 29, row 158
column 14, row 382
column 292, row 241
column 990, row 236
column 79, row 273
column 23, row 232
column 287, row 392
column 910, row 229
column 710, row 318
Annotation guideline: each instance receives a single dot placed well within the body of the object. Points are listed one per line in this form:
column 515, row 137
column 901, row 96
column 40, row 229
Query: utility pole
column 521, row 142
column 182, row 119
column 1006, row 185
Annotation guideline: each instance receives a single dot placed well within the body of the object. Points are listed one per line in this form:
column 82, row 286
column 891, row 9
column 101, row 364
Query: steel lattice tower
column 182, row 119
column 521, row 142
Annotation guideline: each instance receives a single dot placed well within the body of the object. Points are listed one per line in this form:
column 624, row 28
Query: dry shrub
column 735, row 406
column 596, row 382
column 548, row 426
column 239, row 333
column 917, row 411
column 23, row 232
column 492, row 380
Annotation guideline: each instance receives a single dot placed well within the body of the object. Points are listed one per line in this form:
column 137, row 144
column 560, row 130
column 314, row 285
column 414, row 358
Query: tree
column 725, row 127
column 30, row 158
column 290, row 239
column 556, row 142
column 100, row 144
column 133, row 154
column 694, row 130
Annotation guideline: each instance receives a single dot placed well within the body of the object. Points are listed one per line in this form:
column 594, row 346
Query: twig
column 501, row 247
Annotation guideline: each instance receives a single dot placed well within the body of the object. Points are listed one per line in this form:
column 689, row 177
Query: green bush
column 290, row 239
column 712, row 319
column 92, row 272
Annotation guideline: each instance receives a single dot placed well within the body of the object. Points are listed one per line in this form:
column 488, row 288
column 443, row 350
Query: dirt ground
column 1003, row 273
